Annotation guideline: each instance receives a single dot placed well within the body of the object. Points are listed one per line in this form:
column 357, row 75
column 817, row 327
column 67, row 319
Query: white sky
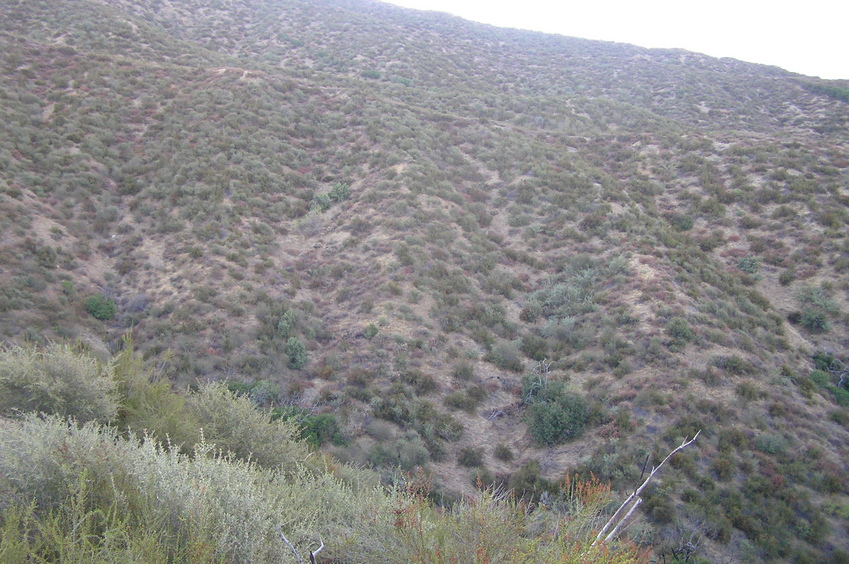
column 809, row 37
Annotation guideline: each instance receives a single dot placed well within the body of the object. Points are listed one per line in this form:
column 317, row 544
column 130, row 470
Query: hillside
column 500, row 255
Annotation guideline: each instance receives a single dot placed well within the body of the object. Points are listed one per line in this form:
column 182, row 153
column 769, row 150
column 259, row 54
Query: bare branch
column 295, row 552
column 542, row 368
column 630, row 504
column 312, row 554
column 284, row 539
column 839, row 369
column 622, row 521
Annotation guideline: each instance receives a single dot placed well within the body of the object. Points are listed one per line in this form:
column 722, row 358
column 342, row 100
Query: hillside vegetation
column 492, row 256
column 80, row 486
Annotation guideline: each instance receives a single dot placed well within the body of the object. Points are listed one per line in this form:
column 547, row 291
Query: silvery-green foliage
column 41, row 456
column 56, row 380
column 235, row 425
column 211, row 507
column 236, row 504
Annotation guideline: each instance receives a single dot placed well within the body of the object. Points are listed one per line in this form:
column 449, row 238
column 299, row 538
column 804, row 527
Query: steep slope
column 401, row 219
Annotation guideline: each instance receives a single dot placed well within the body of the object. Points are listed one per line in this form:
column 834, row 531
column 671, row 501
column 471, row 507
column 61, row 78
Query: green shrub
column 748, row 391
column 340, row 192
column 321, row 203
column 285, row 323
column 56, row 380
column 370, row 332
column 535, row 348
column 814, row 320
column 506, row 355
column 470, row 457
column 317, row 430
column 820, row 377
column 400, row 406
column 421, row 382
column 841, row 395
column 771, row 443
column 553, row 416
column 527, row 481
column 406, row 453
column 101, row 307
column 733, row 364
column 723, row 467
column 817, row 307
column 297, row 353
column 679, row 329
column 749, row 265
column 658, row 505
column 149, row 407
column 235, row 425
column 463, row 371
column 467, row 399
column 503, row 452
column 839, row 416
column 557, row 419
column 680, row 221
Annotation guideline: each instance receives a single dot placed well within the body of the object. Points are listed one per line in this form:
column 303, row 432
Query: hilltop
column 501, row 255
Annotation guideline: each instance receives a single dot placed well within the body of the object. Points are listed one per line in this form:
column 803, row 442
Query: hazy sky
column 809, row 37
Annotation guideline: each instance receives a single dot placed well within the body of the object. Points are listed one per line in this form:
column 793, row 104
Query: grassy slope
column 507, row 188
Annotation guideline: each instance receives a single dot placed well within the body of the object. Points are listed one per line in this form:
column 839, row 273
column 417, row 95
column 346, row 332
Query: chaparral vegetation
column 281, row 275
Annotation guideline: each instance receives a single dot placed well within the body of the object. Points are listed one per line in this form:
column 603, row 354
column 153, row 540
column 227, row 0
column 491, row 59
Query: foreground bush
column 237, row 427
column 92, row 492
column 81, row 493
column 206, row 502
column 56, row 380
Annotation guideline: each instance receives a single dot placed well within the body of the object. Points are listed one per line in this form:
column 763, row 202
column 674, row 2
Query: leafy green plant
column 315, row 429
column 148, row 405
column 733, row 364
column 101, row 307
column 371, row 331
column 321, row 203
column 680, row 222
column 817, row 308
column 557, row 421
column 749, row 265
column 297, row 352
column 340, row 192
column 553, row 415
column 679, row 330
column 240, row 428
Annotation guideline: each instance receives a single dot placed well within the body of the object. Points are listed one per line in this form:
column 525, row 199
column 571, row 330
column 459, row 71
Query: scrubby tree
column 297, row 353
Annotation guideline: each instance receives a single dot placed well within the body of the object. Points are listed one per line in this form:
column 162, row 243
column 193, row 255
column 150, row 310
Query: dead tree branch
column 629, row 505
column 284, row 539
column 295, row 552
column 312, row 554
column 839, row 370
